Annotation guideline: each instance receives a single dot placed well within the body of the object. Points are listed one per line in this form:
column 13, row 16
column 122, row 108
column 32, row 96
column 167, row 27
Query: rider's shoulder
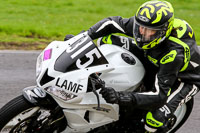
column 182, row 29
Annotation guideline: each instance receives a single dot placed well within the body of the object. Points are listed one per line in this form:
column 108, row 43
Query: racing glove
column 67, row 37
column 122, row 98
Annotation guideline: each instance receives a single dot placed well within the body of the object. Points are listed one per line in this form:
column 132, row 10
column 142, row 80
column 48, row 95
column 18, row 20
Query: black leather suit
column 174, row 76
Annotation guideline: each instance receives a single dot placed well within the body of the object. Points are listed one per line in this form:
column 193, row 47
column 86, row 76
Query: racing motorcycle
column 69, row 75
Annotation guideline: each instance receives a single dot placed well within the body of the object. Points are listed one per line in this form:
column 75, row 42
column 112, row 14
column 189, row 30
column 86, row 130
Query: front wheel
column 18, row 115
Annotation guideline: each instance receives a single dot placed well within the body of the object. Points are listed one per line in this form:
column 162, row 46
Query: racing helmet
column 153, row 23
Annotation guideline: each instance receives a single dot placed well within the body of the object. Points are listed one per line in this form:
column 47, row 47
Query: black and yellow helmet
column 153, row 23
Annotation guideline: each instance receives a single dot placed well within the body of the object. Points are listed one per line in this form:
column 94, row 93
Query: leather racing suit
column 173, row 71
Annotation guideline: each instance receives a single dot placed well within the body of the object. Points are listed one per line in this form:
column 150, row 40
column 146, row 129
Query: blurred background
column 32, row 24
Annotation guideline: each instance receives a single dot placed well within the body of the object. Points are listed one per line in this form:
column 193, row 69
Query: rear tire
column 184, row 114
column 189, row 107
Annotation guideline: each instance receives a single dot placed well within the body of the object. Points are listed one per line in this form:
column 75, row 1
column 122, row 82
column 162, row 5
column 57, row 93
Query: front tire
column 12, row 109
column 19, row 115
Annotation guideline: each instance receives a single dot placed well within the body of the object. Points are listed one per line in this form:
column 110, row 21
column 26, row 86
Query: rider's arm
column 110, row 25
column 165, row 79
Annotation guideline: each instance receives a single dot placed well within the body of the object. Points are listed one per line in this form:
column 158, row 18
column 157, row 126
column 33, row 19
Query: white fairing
column 124, row 76
column 116, row 73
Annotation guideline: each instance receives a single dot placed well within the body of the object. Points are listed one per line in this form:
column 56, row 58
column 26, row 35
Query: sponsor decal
column 143, row 18
column 165, row 110
column 193, row 92
column 153, row 122
column 47, row 54
column 169, row 57
column 61, row 93
column 68, row 85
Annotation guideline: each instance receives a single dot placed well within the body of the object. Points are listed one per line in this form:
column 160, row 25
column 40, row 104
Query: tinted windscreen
column 81, row 54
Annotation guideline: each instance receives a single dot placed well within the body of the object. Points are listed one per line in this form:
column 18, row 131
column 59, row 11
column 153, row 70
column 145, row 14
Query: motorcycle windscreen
column 81, row 54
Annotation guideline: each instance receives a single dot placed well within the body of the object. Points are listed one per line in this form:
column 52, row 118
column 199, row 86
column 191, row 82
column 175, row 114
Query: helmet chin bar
column 151, row 42
column 149, row 45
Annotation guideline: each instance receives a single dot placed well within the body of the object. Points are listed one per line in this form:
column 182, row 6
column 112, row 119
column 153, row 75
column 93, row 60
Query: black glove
column 121, row 98
column 110, row 95
column 67, row 37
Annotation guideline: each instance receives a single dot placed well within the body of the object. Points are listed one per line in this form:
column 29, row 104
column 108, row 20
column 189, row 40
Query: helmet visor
column 144, row 35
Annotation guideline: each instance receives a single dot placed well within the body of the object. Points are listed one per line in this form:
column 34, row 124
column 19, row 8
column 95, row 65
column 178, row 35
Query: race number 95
column 90, row 55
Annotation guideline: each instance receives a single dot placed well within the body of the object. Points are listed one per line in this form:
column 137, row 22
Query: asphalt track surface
column 17, row 71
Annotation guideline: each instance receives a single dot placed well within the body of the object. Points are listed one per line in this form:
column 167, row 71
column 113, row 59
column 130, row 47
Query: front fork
column 38, row 97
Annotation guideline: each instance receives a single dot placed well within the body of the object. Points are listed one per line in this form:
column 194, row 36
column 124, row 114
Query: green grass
column 40, row 22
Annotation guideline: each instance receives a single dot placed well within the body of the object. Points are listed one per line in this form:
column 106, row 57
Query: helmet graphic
column 153, row 23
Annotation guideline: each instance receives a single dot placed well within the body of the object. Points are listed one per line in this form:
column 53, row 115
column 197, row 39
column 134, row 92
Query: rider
column 164, row 41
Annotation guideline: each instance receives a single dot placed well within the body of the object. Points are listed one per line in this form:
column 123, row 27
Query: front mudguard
column 34, row 94
column 38, row 96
